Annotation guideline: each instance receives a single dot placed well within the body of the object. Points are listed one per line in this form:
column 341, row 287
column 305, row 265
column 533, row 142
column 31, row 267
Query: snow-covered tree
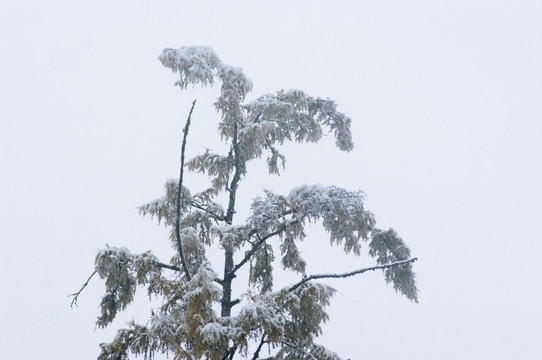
column 266, row 322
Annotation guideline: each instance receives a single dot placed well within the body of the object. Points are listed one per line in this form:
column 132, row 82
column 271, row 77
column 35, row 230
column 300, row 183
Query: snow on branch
column 165, row 208
column 76, row 294
column 312, row 352
column 341, row 211
column 291, row 116
column 348, row 274
column 123, row 272
column 214, row 211
column 387, row 246
column 195, row 64
column 216, row 166
column 322, row 353
column 193, row 247
column 276, row 317
column 235, row 87
column 158, row 336
column 261, row 268
column 231, row 237
column 187, row 324
column 135, row 339
column 343, row 216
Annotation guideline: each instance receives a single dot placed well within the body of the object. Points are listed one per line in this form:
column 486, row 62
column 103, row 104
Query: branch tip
column 76, row 294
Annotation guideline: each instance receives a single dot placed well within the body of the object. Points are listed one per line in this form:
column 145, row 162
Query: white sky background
column 445, row 98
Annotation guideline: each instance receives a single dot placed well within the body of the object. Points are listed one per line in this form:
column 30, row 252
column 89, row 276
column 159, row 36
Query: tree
column 286, row 320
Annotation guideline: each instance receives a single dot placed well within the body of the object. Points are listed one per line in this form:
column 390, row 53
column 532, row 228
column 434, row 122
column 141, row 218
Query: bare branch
column 76, row 294
column 257, row 352
column 180, row 189
column 166, row 266
column 230, row 353
column 352, row 273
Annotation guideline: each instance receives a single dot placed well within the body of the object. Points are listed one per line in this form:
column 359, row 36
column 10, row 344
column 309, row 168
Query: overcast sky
column 445, row 99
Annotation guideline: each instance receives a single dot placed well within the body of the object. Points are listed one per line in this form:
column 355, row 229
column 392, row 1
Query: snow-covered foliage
column 282, row 322
column 387, row 247
column 122, row 272
column 195, row 64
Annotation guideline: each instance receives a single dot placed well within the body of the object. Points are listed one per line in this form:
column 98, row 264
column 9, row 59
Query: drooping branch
column 76, row 294
column 348, row 274
column 179, row 199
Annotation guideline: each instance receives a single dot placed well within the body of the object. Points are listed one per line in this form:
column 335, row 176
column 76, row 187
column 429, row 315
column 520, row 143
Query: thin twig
column 352, row 273
column 179, row 199
column 76, row 294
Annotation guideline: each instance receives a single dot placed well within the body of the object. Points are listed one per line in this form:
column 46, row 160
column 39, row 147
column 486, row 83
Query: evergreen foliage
column 282, row 323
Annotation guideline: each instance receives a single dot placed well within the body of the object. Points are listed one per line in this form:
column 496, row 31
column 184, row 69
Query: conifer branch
column 179, row 199
column 352, row 273
column 76, row 294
